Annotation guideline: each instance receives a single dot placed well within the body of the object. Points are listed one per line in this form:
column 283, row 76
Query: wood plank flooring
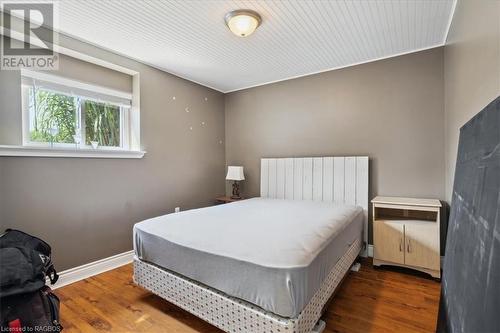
column 371, row 300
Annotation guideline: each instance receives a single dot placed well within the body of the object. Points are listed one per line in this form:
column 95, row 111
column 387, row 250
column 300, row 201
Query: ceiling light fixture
column 243, row 22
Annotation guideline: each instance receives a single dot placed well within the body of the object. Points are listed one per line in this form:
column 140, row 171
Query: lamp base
column 236, row 191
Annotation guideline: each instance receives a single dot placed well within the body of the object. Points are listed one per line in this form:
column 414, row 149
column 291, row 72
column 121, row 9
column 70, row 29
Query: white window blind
column 75, row 88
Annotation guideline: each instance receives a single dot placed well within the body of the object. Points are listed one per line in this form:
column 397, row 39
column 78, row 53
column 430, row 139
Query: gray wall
column 471, row 71
column 390, row 110
column 86, row 208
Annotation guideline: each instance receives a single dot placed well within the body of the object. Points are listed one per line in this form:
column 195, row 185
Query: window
column 59, row 112
column 102, row 123
column 52, row 116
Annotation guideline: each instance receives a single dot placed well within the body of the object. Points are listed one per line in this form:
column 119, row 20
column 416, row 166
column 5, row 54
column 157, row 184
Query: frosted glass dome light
column 242, row 22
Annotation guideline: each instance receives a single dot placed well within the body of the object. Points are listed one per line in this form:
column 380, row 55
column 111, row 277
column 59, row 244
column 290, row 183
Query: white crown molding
column 85, row 271
column 450, row 20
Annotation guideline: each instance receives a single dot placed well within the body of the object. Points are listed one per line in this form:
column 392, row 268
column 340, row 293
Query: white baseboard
column 370, row 250
column 93, row 268
column 367, row 251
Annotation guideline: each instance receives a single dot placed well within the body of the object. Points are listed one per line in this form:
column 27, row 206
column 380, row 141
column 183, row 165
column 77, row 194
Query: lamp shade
column 235, row 173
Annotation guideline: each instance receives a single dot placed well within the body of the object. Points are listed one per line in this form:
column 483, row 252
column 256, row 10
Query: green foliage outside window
column 102, row 123
column 54, row 119
column 53, row 111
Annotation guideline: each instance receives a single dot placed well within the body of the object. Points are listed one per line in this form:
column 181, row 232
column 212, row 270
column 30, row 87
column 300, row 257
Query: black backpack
column 31, row 312
column 25, row 301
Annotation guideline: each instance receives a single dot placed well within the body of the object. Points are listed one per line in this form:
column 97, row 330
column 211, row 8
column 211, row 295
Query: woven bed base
column 234, row 315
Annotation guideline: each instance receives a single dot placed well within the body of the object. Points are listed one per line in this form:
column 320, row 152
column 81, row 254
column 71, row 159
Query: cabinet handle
column 400, row 245
column 408, row 246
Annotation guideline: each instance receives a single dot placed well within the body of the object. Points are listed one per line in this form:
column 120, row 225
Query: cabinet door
column 388, row 237
column 422, row 245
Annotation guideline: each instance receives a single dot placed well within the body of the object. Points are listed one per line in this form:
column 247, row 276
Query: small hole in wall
column 173, row 97
column 202, row 123
column 187, row 109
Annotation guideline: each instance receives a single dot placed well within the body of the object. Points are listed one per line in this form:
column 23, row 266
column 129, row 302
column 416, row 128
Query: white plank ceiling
column 296, row 38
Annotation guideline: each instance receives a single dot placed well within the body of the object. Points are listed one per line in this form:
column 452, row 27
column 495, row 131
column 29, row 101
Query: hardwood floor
column 371, row 300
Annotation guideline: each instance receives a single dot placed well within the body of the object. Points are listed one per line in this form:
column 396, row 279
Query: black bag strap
column 52, row 274
column 50, row 270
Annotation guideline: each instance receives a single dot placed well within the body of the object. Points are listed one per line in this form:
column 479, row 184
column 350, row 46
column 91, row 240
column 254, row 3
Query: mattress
column 270, row 252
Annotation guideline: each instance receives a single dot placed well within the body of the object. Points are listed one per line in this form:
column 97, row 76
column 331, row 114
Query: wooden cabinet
column 406, row 233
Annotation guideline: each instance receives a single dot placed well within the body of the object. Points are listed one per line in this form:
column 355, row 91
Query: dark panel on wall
column 471, row 280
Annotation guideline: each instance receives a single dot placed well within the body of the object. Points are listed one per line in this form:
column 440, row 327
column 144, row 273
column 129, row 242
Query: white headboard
column 335, row 179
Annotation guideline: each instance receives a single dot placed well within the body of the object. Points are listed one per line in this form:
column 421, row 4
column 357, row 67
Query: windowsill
column 29, row 151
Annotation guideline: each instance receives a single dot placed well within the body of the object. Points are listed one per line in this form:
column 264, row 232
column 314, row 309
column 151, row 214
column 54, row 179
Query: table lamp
column 235, row 173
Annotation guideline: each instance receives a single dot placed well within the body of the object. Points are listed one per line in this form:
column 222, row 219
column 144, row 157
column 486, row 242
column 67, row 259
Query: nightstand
column 406, row 233
column 225, row 199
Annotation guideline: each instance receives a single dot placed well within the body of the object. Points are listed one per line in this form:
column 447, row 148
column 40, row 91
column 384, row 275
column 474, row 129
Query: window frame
column 125, row 112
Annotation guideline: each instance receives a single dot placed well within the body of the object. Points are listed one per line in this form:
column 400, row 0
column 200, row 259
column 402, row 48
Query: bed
column 266, row 264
